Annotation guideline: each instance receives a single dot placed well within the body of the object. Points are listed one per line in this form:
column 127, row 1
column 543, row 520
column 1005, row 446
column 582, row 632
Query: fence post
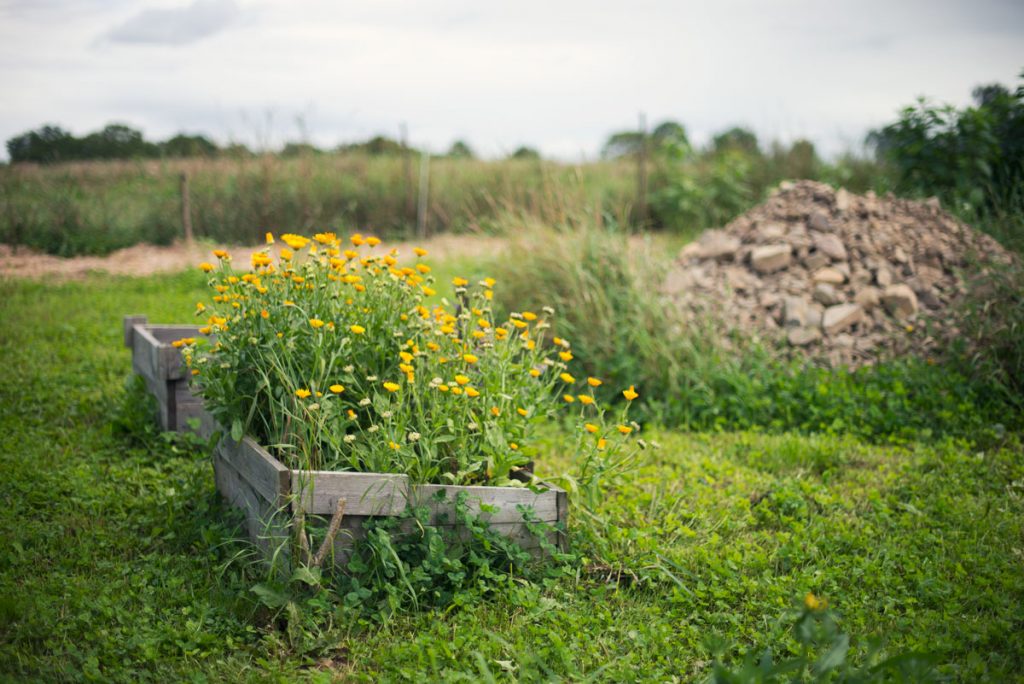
column 421, row 214
column 186, row 209
column 641, row 179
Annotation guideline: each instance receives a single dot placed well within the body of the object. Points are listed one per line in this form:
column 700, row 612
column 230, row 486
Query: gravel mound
column 846, row 278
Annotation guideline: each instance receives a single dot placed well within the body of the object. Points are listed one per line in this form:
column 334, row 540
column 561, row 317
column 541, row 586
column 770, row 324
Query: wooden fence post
column 421, row 214
column 641, row 179
column 186, row 209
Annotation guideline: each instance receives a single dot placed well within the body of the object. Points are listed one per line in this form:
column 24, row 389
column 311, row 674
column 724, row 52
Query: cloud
column 177, row 26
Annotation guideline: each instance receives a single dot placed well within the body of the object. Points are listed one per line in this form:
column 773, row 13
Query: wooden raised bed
column 161, row 366
column 270, row 494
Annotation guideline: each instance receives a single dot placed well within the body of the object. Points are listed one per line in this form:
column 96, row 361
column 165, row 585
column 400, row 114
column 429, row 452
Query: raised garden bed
column 270, row 494
column 162, row 368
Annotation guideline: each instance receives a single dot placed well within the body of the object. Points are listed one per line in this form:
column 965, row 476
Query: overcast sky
column 556, row 75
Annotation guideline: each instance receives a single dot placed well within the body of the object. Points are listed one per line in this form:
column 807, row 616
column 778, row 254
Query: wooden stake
column 332, row 532
column 186, row 209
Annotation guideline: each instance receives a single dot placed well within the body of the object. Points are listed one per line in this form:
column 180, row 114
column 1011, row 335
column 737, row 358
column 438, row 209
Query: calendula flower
column 270, row 238
column 534, row 372
column 495, row 411
column 591, row 428
column 357, row 329
column 200, row 307
column 316, row 322
column 373, row 241
column 327, row 239
column 568, row 398
column 260, row 259
column 206, row 267
column 565, row 377
column 814, row 603
column 221, row 254
column 302, row 393
column 462, row 379
column 529, row 315
column 205, row 330
column 392, row 386
column 351, row 414
column 419, row 251
column 624, row 429
column 337, row 389
column 523, row 412
column 513, row 446
column 357, row 239
column 294, row 241
column 593, row 382
column 586, row 399
column 429, row 291
column 394, row 446
column 469, row 358
column 264, row 314
column 630, row 393
column 287, row 254
column 601, row 444
column 472, row 392
column 565, row 355
column 460, row 282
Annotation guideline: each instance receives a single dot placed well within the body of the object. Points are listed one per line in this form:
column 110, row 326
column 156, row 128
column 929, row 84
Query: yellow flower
column 488, row 294
column 260, row 259
column 420, row 251
column 443, row 388
column 462, row 379
column 433, row 346
column 205, row 267
column 288, row 302
column 405, row 368
column 565, row 355
column 286, row 254
column 495, row 411
column 264, row 314
column 472, row 392
column 221, row 254
column 630, row 394
column 337, row 389
column 429, row 291
column 316, row 322
column 568, row 398
column 294, row 241
column 565, row 377
column 593, row 382
column 460, row 282
column 456, row 390
column 489, row 282
column 423, row 268
column 534, row 372
column 591, row 428
column 529, row 315
column 218, row 320
column 483, row 323
column 270, row 238
column 518, row 323
column 357, row 329
column 392, row 386
column 373, row 241
column 625, row 429
column 601, row 444
column 200, row 307
column 523, row 412
column 326, row 238
column 478, row 334
column 513, row 446
column 357, row 239
column 814, row 603
column 302, row 393
column 405, row 356
column 205, row 330
column 469, row 358
column 394, row 446
column 586, row 399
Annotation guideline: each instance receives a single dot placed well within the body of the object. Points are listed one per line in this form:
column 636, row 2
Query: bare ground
column 143, row 260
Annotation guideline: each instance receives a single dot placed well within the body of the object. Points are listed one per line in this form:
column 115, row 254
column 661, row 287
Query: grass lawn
column 115, row 562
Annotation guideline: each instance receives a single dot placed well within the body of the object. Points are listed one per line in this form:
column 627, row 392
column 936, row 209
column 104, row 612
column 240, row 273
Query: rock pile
column 847, row 277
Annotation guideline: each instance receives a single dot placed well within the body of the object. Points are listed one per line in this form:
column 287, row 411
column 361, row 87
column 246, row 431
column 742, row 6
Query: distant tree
column 525, row 153
column 629, row 143
column 377, row 146
column 183, row 145
column 236, row 151
column 736, row 139
column 298, row 149
column 45, row 145
column 460, row 150
column 117, row 141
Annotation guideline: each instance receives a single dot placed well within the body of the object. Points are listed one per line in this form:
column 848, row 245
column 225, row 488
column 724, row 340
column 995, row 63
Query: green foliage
column 993, row 328
column 119, row 564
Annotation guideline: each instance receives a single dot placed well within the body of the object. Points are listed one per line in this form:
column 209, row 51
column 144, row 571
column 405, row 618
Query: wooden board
column 265, row 522
column 318, row 492
column 267, row 476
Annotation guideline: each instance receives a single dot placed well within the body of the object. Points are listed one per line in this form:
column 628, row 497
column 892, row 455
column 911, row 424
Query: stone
column 930, row 299
column 801, row 337
column 830, row 245
column 840, row 317
column 815, row 260
column 843, row 201
column 828, row 275
column 868, row 297
column 795, row 312
column 771, row 231
column 718, row 244
column 819, row 220
column 900, row 301
column 844, row 341
column 770, row 258
column 883, row 276
column 826, row 294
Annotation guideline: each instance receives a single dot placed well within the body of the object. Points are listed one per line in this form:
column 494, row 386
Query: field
column 118, row 565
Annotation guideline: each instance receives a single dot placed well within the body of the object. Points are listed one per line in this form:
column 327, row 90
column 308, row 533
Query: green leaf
column 307, row 575
column 236, row 430
column 836, row 655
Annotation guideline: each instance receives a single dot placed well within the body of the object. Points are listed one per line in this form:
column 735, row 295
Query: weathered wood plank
column 129, row 328
column 267, row 476
column 165, row 334
column 318, row 491
column 505, row 499
column 264, row 522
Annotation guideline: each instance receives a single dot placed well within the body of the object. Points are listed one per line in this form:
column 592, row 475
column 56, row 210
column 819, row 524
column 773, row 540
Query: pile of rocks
column 850, row 278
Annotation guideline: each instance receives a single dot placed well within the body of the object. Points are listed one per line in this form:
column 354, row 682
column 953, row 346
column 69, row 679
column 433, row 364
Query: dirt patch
column 839, row 276
column 143, row 260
